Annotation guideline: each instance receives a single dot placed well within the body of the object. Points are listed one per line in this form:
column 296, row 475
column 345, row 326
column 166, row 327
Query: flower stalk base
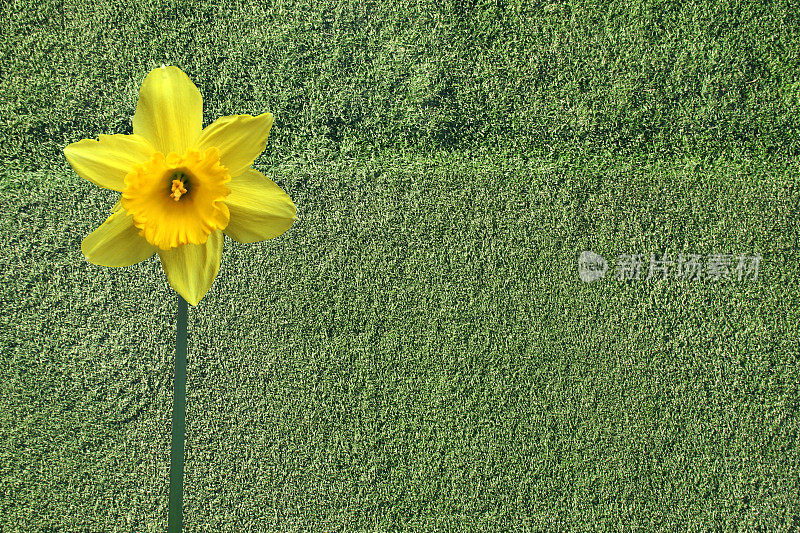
column 178, row 423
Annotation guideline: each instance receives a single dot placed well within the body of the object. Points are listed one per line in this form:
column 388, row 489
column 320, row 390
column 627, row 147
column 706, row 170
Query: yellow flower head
column 181, row 186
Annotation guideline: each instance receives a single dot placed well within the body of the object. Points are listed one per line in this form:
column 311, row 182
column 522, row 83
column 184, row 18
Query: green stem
column 178, row 424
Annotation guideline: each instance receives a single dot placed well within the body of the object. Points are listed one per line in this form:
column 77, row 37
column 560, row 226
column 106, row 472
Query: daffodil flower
column 181, row 186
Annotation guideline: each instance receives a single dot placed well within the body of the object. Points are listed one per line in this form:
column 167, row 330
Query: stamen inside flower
column 178, row 199
column 178, row 187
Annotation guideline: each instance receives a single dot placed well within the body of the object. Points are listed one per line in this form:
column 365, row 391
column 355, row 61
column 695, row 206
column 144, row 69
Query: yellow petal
column 259, row 209
column 169, row 113
column 240, row 139
column 191, row 268
column 116, row 243
column 106, row 162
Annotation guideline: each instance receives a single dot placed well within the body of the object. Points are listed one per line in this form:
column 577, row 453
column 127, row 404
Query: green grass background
column 417, row 353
